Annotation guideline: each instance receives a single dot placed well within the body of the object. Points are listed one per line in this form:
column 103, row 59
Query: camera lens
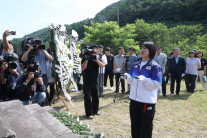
column 13, row 65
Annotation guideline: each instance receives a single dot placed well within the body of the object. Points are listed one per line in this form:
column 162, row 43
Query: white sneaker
column 104, row 88
column 112, row 88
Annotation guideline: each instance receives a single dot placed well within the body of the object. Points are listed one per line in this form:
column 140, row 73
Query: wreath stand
column 57, row 95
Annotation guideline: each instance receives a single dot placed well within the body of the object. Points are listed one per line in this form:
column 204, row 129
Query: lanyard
column 32, row 89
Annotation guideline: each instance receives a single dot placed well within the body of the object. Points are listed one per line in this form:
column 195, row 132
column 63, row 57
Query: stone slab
column 57, row 128
column 22, row 122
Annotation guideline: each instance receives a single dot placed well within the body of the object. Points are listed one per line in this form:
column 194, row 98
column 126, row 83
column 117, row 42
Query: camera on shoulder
column 88, row 51
column 35, row 42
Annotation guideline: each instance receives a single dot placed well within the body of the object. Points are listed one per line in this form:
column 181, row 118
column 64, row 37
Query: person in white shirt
column 191, row 72
column 103, row 59
column 119, row 65
column 145, row 78
column 161, row 59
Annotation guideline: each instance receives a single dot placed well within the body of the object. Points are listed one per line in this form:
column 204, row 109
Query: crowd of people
column 27, row 77
column 175, row 67
column 145, row 75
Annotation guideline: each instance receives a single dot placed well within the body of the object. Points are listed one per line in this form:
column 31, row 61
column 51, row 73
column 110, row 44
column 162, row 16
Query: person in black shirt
column 30, row 86
column 90, row 74
column 202, row 70
column 109, row 69
column 171, row 56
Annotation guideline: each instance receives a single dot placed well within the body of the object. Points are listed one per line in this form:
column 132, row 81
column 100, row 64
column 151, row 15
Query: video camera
column 11, row 59
column 88, row 51
column 36, row 43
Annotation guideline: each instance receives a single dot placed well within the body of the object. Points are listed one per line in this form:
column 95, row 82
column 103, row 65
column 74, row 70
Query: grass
column 176, row 116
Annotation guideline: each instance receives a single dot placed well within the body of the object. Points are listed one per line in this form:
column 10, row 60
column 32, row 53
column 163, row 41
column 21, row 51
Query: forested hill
column 170, row 12
column 155, row 10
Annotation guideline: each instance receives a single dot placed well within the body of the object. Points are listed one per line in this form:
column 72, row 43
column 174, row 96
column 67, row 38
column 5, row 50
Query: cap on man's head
column 100, row 46
column 108, row 49
column 131, row 48
column 121, row 48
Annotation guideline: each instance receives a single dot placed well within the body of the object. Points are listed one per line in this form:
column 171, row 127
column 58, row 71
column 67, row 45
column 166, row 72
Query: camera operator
column 31, row 87
column 11, row 74
column 6, row 46
column 90, row 67
column 41, row 56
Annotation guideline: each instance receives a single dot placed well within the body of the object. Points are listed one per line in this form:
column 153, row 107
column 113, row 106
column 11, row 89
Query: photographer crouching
column 31, row 87
column 90, row 66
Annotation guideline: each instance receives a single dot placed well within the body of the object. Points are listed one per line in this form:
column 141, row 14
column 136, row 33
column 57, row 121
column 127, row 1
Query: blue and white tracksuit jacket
column 145, row 91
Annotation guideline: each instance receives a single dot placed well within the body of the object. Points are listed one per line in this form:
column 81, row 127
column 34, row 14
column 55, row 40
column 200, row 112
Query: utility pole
column 118, row 16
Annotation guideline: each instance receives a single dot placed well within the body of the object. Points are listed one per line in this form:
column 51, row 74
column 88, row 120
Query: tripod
column 57, row 95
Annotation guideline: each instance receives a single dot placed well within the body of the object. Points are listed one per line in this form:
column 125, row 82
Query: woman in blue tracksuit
column 145, row 79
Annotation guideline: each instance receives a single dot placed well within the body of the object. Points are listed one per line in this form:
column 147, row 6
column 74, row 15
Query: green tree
column 181, row 32
column 156, row 32
column 109, row 34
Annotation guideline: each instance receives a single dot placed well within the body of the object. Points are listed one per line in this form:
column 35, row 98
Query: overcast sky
column 27, row 16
